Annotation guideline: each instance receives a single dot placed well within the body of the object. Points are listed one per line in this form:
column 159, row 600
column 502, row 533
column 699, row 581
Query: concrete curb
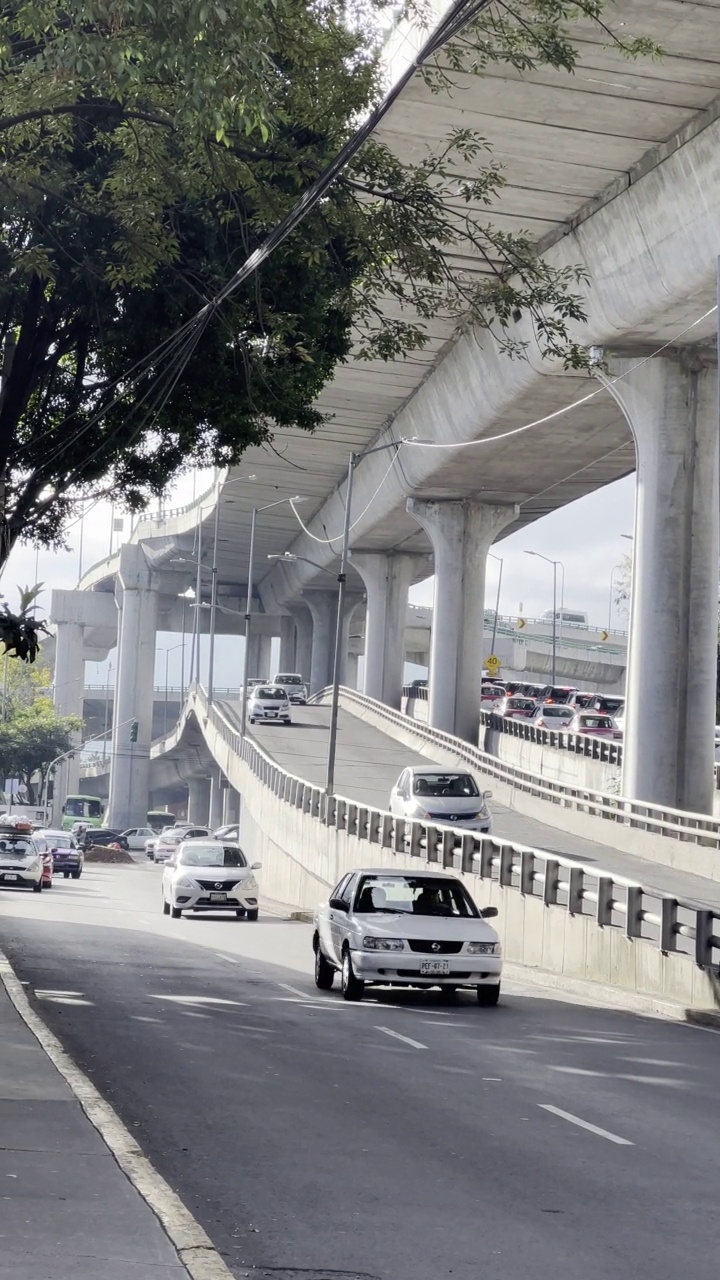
column 597, row 993
column 194, row 1248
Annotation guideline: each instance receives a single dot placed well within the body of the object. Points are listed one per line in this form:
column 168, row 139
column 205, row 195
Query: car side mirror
column 487, row 795
column 489, row 913
column 171, row 862
column 255, row 866
column 338, row 904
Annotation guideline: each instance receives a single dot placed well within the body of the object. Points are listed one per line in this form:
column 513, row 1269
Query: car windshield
column 289, row 679
column 58, row 841
column 15, row 847
column 268, row 694
column 414, row 895
column 610, row 706
column 212, row 855
column 445, row 784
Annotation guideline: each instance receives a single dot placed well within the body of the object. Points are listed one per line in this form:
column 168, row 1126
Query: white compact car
column 171, row 838
column 441, row 795
column 137, row 837
column 294, row 686
column 268, row 702
column 552, row 715
column 209, row 875
column 399, row 929
column 21, row 862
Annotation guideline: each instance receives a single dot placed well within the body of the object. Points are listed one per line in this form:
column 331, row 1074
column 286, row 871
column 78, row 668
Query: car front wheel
column 37, row 888
column 324, row 972
column 166, row 907
column 252, row 913
column 488, row 995
column 76, row 875
column 176, row 913
column 352, row 987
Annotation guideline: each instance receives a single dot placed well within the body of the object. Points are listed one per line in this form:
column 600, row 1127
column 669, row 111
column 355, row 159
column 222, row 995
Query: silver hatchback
column 441, row 795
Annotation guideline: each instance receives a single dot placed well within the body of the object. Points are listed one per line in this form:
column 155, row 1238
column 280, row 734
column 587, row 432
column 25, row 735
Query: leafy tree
column 31, row 740
column 147, row 147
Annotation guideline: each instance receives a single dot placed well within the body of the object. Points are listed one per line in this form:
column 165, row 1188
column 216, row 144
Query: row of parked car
column 556, row 707
column 30, row 856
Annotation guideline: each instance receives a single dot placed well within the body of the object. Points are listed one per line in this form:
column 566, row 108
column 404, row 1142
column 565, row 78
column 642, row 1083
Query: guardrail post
column 386, row 831
column 668, row 924
column 633, row 922
column 361, row 822
column 398, row 841
column 506, row 866
column 704, row 922
column 550, row 882
column 487, row 853
column 416, row 835
column 449, row 840
column 468, row 851
column 527, row 871
column 431, row 838
column 575, row 891
column 341, row 815
column 605, row 890
column 351, row 819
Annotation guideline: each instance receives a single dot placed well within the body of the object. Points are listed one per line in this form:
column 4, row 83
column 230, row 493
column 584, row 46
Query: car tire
column 76, row 874
column 352, row 988
column 324, row 972
column 488, row 996
column 252, row 913
column 37, row 888
column 176, row 913
column 166, row 907
column 240, row 913
column 48, row 885
column 66, row 875
column 251, row 719
column 448, row 994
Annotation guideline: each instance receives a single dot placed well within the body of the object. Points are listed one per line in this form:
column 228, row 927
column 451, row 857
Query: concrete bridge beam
column 129, row 770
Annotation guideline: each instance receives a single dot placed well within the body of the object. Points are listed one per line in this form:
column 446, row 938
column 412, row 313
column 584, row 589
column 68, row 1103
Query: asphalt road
column 369, row 763
column 396, row 1139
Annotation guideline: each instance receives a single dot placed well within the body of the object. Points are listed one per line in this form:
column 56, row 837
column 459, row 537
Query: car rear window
column 596, row 722
column 521, row 704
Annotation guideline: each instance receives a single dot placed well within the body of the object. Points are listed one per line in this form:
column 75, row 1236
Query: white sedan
column 401, row 929
column 268, row 702
column 441, row 795
column 137, row 837
column 209, row 875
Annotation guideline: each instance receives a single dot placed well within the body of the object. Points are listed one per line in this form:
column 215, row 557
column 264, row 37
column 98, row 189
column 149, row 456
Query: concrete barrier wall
column 303, row 859
column 685, row 855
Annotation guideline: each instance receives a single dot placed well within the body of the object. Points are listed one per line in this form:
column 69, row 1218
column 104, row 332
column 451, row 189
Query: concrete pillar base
column 669, row 745
column 217, row 800
column 287, row 644
column 231, row 806
column 461, row 534
column 303, row 639
column 129, row 770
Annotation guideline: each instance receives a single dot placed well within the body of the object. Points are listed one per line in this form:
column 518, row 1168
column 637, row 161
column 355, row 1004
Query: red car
column 44, row 849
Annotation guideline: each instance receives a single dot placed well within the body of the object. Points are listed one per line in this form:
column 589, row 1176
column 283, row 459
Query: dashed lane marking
column 585, row 1124
column 414, row 1044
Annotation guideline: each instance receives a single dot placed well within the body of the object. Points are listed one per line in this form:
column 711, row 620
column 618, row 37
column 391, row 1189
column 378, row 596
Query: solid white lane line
column 414, row 1044
column 585, row 1124
column 286, row 987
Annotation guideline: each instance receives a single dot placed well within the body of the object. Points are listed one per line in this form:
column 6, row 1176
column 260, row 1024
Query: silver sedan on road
column 209, row 875
column 402, row 929
column 441, row 795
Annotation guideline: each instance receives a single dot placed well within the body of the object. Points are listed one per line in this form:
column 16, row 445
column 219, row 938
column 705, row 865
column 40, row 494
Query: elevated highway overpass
column 613, row 169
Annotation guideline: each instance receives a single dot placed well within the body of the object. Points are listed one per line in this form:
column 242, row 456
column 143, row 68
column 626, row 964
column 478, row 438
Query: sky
column 586, row 536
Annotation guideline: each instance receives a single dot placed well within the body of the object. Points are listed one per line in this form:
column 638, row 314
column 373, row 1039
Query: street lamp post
column 167, row 653
column 555, row 564
column 617, row 568
column 213, row 604
column 497, row 599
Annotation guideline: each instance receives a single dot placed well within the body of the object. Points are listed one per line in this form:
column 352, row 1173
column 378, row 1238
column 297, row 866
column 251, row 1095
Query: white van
column 566, row 615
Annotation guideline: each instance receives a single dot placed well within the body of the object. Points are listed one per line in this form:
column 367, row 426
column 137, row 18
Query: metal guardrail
column 173, row 691
column 670, row 924
column 607, row 750
column 677, row 824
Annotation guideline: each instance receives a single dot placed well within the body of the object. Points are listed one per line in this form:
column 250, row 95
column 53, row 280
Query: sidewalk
column 67, row 1211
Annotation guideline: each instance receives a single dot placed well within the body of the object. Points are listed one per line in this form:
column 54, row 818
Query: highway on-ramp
column 399, row 1138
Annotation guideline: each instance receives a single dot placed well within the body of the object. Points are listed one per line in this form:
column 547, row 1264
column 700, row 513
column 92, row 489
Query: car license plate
column 9, row 875
column 434, row 968
column 218, row 897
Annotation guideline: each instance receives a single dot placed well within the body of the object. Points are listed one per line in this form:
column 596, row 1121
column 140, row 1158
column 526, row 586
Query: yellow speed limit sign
column 492, row 664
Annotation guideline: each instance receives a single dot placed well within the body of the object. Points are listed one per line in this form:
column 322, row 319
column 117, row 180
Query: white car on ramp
column 406, row 929
column 210, row 875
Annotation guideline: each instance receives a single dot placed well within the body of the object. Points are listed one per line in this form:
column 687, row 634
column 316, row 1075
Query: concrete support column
column 231, row 806
column 199, row 801
column 668, row 750
column 217, row 800
column 387, row 578
column 323, row 608
column 351, row 679
column 254, row 655
column 265, row 657
column 461, row 533
column 68, row 692
column 287, row 643
column 303, row 639
column 129, row 769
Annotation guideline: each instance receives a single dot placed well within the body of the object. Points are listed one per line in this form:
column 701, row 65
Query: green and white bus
column 87, row 809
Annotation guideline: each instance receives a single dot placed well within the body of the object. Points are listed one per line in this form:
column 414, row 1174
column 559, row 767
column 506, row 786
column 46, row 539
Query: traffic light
column 133, row 730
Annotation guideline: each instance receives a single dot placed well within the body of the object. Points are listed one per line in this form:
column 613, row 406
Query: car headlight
column 419, row 812
column 483, row 948
column 383, row 944
column 250, row 885
column 185, row 883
